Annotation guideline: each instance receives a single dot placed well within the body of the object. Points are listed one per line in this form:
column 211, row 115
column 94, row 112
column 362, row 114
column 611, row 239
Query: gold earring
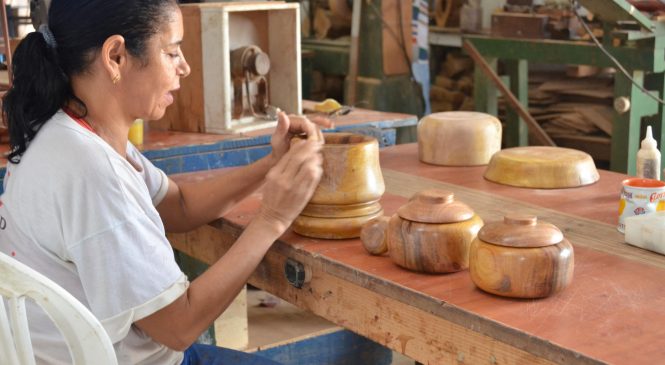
column 115, row 79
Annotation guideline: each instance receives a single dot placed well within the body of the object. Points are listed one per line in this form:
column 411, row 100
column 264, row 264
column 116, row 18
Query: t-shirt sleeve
column 128, row 273
column 155, row 179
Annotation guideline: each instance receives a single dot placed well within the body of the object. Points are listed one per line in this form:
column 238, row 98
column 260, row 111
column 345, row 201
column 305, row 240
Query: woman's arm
column 289, row 186
column 189, row 205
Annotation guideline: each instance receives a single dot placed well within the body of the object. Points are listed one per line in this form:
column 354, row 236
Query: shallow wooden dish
column 542, row 167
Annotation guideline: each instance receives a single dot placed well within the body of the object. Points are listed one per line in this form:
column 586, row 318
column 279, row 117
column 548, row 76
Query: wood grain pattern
column 435, row 206
column 348, row 193
column 542, row 167
column 351, row 170
column 611, row 312
column 429, row 247
column 374, row 235
column 458, row 138
column 397, row 323
column 520, row 272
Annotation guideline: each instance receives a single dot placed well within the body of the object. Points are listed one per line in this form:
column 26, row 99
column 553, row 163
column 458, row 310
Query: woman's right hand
column 291, row 183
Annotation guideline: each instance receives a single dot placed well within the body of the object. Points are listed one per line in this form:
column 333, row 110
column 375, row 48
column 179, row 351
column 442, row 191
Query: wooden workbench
column 613, row 312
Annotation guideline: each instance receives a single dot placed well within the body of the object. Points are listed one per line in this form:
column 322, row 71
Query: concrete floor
column 273, row 320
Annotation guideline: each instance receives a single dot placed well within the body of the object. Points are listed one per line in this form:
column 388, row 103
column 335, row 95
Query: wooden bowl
column 351, row 170
column 458, row 138
column 349, row 191
column 521, row 258
column 437, row 242
column 542, row 167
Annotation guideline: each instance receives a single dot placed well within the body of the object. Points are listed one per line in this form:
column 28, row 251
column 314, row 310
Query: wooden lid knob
column 435, row 206
column 520, row 220
column 521, row 230
column 433, row 196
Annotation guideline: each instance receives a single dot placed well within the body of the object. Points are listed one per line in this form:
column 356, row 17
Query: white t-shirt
column 82, row 215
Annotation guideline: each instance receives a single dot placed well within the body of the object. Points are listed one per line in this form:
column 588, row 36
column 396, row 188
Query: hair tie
column 48, row 35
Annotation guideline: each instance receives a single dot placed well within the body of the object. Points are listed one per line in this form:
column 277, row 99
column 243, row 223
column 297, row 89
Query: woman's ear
column 114, row 56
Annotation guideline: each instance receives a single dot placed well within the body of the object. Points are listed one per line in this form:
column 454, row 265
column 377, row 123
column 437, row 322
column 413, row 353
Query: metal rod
column 534, row 127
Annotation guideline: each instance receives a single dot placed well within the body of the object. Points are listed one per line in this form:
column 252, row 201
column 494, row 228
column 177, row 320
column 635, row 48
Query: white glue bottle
column 648, row 158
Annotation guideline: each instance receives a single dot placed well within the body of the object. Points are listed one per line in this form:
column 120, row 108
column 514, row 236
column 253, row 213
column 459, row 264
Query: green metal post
column 517, row 133
column 626, row 127
column 484, row 92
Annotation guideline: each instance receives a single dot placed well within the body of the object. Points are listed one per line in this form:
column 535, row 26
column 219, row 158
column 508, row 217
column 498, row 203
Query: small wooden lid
column 435, row 206
column 521, row 231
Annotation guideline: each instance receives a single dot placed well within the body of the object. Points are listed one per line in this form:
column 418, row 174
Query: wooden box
column 204, row 102
column 517, row 25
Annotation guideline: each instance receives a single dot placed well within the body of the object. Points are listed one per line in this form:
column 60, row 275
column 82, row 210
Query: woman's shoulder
column 61, row 140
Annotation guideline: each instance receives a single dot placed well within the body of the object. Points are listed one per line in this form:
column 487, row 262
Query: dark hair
column 41, row 74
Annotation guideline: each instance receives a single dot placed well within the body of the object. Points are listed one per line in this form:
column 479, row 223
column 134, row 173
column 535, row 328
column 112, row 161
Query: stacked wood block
column 453, row 85
column 575, row 112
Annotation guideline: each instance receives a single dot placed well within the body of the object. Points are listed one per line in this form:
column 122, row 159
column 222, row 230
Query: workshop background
column 585, row 75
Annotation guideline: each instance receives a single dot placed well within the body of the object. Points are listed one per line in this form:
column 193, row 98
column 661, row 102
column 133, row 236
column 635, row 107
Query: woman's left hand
column 291, row 125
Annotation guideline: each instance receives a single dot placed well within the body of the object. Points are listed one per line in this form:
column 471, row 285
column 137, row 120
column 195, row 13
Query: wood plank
column 599, row 115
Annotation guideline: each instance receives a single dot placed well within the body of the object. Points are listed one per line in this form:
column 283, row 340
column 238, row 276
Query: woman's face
column 149, row 88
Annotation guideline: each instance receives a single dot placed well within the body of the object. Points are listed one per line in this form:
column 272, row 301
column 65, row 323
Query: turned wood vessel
column 458, row 138
column 521, row 258
column 350, row 188
column 542, row 167
column 432, row 233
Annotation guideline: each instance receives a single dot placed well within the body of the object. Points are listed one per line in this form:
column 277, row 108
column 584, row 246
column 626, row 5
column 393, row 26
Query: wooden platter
column 542, row 167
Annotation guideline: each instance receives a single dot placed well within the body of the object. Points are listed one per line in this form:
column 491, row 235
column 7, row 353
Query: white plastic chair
column 87, row 340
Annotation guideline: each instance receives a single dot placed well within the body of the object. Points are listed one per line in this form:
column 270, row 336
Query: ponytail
column 39, row 89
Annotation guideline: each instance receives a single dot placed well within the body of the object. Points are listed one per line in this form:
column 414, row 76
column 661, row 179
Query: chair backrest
column 87, row 340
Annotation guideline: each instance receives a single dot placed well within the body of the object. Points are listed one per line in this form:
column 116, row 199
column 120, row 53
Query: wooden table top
column 613, row 311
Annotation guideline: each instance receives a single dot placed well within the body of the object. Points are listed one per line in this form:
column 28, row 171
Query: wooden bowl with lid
column 521, row 258
column 432, row 233
column 542, row 167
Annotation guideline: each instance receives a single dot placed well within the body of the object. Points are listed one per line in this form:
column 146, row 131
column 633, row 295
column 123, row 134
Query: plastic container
column 647, row 231
column 136, row 133
column 648, row 158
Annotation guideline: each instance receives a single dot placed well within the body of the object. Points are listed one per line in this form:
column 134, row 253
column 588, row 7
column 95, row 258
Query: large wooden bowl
column 521, row 258
column 458, row 138
column 542, row 167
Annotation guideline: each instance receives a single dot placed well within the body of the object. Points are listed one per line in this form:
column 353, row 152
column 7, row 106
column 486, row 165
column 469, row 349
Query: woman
column 85, row 208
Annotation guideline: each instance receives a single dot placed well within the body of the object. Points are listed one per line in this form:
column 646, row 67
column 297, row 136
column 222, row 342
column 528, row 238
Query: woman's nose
column 184, row 68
